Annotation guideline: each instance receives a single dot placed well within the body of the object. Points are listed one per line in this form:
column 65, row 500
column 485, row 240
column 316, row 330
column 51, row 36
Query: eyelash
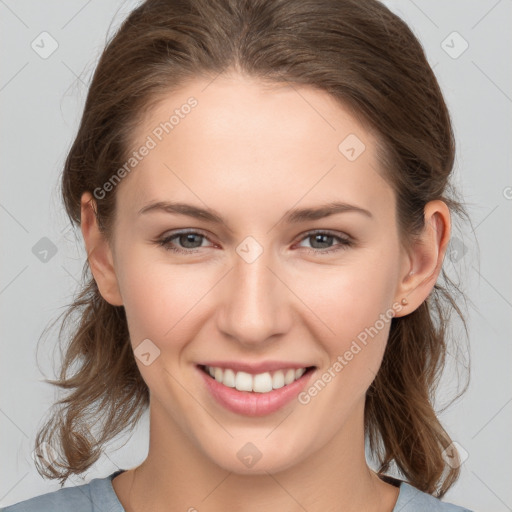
column 345, row 242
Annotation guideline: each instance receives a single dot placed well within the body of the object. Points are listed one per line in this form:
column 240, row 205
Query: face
column 264, row 284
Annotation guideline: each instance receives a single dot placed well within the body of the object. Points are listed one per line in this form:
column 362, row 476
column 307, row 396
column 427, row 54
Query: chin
column 252, row 458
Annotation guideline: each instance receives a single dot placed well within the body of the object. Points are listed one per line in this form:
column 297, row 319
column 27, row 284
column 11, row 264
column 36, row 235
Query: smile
column 259, row 383
column 254, row 394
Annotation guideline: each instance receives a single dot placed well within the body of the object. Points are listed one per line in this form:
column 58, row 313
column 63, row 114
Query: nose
column 254, row 306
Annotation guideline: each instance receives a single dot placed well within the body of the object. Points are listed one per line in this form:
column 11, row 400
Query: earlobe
column 99, row 253
column 425, row 258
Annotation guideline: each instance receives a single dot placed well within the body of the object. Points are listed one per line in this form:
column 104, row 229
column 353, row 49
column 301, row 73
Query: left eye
column 326, row 237
column 192, row 246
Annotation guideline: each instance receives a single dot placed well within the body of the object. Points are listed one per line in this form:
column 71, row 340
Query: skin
column 252, row 153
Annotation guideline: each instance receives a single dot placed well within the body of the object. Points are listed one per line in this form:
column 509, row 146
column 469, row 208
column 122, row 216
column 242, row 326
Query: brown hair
column 368, row 59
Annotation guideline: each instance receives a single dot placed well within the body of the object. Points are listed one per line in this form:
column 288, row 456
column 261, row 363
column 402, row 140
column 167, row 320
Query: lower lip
column 251, row 403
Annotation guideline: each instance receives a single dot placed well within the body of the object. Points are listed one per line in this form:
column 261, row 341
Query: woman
column 220, row 138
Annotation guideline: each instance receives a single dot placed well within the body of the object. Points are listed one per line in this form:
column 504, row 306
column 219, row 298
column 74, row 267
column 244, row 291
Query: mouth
column 254, row 394
column 264, row 382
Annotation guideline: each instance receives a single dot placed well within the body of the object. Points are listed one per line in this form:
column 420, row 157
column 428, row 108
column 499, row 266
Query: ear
column 99, row 253
column 424, row 260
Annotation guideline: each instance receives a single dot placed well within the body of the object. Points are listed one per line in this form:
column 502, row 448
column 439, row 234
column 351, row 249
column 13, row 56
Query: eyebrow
column 293, row 216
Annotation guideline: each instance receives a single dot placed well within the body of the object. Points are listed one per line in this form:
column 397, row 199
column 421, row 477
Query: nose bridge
column 254, row 307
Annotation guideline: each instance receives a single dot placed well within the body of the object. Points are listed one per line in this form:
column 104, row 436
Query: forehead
column 244, row 142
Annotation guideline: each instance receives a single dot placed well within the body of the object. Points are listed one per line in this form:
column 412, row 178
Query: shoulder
column 411, row 499
column 77, row 499
column 97, row 495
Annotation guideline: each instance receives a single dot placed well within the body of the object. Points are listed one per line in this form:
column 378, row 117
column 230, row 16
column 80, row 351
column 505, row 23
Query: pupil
column 189, row 239
column 320, row 236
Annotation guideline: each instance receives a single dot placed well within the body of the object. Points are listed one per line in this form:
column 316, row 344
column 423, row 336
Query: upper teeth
column 260, row 383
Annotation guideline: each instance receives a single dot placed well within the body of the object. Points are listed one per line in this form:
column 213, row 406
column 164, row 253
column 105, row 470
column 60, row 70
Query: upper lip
column 255, row 368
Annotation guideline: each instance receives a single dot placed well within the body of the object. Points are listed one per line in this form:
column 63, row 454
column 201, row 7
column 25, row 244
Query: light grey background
column 41, row 101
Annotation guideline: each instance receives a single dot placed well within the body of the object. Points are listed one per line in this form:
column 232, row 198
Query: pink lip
column 255, row 368
column 250, row 403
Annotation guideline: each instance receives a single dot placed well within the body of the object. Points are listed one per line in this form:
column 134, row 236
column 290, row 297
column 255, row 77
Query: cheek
column 159, row 301
column 158, row 297
column 353, row 304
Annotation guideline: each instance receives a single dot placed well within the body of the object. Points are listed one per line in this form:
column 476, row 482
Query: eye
column 191, row 242
column 189, row 239
column 324, row 238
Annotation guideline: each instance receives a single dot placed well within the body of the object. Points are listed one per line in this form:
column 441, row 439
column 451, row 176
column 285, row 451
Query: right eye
column 186, row 238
